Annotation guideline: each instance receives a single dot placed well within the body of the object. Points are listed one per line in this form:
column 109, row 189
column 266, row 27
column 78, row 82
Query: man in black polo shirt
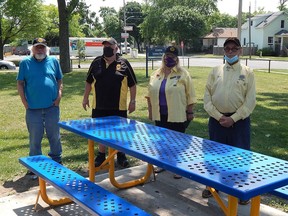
column 109, row 78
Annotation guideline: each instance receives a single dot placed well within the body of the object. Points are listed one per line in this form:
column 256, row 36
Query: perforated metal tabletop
column 240, row 173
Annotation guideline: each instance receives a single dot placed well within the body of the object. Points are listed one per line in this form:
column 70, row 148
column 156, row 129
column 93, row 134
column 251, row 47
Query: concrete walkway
column 165, row 196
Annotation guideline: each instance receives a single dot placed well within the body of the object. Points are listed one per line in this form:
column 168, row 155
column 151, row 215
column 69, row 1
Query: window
column 270, row 40
column 282, row 23
column 244, row 41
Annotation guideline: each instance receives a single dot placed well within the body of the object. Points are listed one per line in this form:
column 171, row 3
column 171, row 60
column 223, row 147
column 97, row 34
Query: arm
column 132, row 103
column 85, row 101
column 149, row 107
column 189, row 112
column 20, row 88
column 60, row 87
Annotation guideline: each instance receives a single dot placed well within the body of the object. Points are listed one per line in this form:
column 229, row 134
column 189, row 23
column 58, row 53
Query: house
column 213, row 42
column 267, row 31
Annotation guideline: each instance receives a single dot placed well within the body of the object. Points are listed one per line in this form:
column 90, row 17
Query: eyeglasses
column 234, row 49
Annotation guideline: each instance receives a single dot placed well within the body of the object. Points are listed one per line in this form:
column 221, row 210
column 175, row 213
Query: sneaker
column 32, row 175
column 175, row 176
column 206, row 193
column 122, row 160
column 99, row 159
column 158, row 169
column 244, row 202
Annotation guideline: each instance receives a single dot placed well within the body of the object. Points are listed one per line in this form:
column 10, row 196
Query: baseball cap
column 110, row 40
column 39, row 41
column 234, row 40
column 173, row 50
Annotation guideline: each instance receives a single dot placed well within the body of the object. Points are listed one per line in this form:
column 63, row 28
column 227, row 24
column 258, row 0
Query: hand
column 85, row 103
column 132, row 107
column 226, row 121
column 190, row 116
column 150, row 115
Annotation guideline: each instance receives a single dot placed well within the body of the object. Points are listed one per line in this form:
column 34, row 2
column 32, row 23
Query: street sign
column 128, row 28
column 124, row 35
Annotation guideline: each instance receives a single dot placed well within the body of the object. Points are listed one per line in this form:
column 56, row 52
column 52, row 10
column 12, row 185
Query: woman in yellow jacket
column 171, row 95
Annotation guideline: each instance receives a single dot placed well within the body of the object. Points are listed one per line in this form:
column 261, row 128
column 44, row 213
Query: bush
column 266, row 51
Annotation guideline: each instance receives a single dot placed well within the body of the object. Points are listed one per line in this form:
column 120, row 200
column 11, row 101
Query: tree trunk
column 64, row 37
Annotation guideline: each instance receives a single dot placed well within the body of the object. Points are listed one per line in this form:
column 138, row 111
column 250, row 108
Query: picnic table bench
column 281, row 192
column 90, row 196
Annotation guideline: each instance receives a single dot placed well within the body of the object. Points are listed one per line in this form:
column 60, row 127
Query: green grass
column 269, row 119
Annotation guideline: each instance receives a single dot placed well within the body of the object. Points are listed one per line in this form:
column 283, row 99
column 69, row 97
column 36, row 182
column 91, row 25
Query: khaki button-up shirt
column 230, row 89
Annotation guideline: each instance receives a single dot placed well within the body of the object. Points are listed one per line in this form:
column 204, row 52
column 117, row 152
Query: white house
column 267, row 30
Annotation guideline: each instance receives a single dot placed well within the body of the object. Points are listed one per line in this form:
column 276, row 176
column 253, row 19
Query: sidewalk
column 165, row 196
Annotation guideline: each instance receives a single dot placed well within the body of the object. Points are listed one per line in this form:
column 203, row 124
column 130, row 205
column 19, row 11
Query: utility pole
column 239, row 20
column 125, row 38
column 250, row 31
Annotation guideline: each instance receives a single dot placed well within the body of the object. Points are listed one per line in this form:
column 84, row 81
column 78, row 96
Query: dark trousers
column 103, row 113
column 176, row 126
column 238, row 135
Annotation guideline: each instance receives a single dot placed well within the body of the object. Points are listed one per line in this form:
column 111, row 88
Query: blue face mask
column 231, row 60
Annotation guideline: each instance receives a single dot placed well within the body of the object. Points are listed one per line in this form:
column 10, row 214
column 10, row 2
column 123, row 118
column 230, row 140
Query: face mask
column 170, row 62
column 108, row 51
column 231, row 60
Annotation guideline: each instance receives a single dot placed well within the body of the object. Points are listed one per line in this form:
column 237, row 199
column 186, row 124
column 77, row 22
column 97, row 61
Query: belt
column 228, row 114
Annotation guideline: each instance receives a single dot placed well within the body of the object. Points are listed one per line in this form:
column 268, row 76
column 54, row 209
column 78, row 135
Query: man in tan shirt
column 230, row 98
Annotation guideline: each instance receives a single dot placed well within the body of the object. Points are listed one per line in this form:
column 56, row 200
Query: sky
column 225, row 6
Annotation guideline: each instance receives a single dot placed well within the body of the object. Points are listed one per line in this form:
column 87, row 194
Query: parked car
column 7, row 65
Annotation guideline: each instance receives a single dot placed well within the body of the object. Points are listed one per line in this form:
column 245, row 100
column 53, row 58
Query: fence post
column 269, row 66
column 188, row 62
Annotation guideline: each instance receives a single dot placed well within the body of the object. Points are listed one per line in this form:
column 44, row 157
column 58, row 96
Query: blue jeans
column 39, row 119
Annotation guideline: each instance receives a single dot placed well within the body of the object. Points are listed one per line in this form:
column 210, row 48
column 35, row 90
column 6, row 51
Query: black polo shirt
column 110, row 85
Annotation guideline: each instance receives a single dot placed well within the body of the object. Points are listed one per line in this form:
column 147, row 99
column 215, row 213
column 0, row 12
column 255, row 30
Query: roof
column 222, row 33
column 282, row 33
column 269, row 18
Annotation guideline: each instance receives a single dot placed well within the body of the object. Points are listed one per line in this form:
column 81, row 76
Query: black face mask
column 108, row 51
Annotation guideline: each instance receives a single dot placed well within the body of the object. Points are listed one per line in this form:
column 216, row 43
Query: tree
column 183, row 24
column 65, row 14
column 20, row 18
column 154, row 28
column 282, row 5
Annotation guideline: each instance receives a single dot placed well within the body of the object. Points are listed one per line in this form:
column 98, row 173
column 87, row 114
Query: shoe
column 30, row 173
column 177, row 176
column 99, row 159
column 243, row 202
column 122, row 160
column 158, row 169
column 206, row 193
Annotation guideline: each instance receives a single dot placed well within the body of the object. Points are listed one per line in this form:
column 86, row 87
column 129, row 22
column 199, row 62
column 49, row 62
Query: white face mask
column 40, row 56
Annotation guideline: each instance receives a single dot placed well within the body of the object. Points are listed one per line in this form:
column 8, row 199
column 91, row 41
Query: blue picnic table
column 239, row 173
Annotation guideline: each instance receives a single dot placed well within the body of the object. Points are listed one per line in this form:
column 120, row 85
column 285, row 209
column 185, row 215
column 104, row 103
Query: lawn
column 269, row 119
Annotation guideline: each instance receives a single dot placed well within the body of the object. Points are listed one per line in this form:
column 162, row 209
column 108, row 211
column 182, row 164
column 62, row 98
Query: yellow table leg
column 232, row 205
column 49, row 201
column 255, row 206
column 218, row 200
column 111, row 166
column 91, row 165
column 127, row 184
